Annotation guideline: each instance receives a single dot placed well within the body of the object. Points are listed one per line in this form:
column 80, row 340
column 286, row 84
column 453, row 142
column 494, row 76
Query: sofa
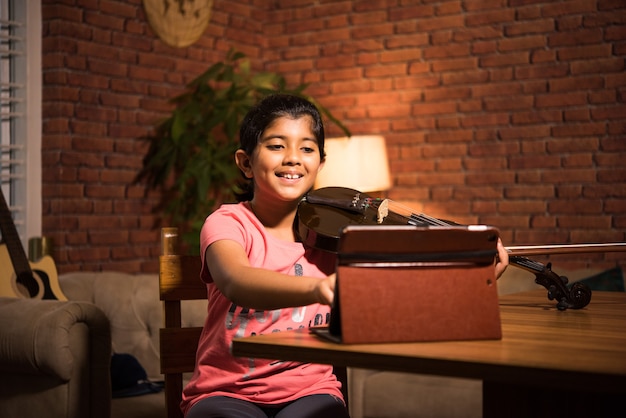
column 54, row 359
column 55, row 356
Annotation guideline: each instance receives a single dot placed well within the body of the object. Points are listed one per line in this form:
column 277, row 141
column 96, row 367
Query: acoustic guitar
column 19, row 277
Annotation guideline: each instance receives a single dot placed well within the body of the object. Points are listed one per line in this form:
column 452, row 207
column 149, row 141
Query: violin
column 324, row 212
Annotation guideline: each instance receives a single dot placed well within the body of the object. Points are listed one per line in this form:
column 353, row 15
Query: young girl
column 260, row 279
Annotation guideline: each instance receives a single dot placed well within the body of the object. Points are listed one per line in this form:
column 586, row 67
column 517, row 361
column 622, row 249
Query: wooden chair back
column 179, row 280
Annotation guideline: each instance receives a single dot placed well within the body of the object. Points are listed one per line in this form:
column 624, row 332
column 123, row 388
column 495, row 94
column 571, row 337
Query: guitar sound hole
column 27, row 282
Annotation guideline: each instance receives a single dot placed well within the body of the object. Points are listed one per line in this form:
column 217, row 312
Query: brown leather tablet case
column 406, row 283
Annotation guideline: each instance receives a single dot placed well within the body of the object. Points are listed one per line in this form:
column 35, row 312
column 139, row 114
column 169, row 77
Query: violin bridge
column 383, row 211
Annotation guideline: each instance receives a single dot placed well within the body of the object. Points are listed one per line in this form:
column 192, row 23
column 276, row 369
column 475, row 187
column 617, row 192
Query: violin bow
column 566, row 248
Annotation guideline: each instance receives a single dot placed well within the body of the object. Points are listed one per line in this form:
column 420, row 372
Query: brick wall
column 509, row 113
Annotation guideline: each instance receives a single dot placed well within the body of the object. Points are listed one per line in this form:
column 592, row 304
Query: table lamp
column 356, row 162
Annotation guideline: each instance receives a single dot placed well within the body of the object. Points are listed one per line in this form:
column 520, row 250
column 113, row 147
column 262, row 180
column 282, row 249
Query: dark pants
column 314, row 406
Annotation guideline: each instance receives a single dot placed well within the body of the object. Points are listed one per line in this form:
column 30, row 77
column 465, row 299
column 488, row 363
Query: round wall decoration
column 179, row 23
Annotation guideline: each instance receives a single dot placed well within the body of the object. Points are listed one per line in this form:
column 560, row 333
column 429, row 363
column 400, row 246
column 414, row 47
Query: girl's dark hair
column 262, row 115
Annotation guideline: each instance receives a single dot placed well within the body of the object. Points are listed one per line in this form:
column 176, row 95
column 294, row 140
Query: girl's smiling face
column 286, row 160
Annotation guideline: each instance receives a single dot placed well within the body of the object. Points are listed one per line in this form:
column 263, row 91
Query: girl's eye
column 308, row 149
column 274, row 146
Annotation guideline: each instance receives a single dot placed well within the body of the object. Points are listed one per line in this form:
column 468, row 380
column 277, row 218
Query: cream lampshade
column 356, row 162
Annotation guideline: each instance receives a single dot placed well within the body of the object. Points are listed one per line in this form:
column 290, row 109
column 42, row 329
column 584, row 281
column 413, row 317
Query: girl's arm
column 258, row 288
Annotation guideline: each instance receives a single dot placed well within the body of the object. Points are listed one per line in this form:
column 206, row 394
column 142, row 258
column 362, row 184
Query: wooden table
column 548, row 362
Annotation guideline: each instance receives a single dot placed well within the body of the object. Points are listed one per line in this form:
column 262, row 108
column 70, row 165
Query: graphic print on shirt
column 246, row 321
column 239, row 318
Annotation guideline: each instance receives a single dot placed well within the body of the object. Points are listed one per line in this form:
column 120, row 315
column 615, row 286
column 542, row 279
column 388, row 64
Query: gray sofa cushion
column 131, row 303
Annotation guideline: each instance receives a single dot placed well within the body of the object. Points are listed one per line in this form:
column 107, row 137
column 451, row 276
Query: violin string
column 526, row 263
column 429, row 220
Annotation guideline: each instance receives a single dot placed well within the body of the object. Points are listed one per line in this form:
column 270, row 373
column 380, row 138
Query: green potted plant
column 190, row 154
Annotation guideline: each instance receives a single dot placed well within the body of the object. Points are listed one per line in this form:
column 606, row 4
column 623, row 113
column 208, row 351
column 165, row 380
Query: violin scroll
column 579, row 296
column 575, row 297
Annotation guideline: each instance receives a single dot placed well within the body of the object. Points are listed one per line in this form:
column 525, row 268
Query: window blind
column 16, row 142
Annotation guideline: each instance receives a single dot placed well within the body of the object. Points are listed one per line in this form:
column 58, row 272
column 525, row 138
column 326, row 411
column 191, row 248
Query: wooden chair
column 179, row 280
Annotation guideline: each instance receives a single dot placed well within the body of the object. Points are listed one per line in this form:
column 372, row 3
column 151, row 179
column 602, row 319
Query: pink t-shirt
column 267, row 382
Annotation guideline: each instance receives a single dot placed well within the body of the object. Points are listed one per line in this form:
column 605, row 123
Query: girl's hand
column 325, row 289
column 502, row 259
